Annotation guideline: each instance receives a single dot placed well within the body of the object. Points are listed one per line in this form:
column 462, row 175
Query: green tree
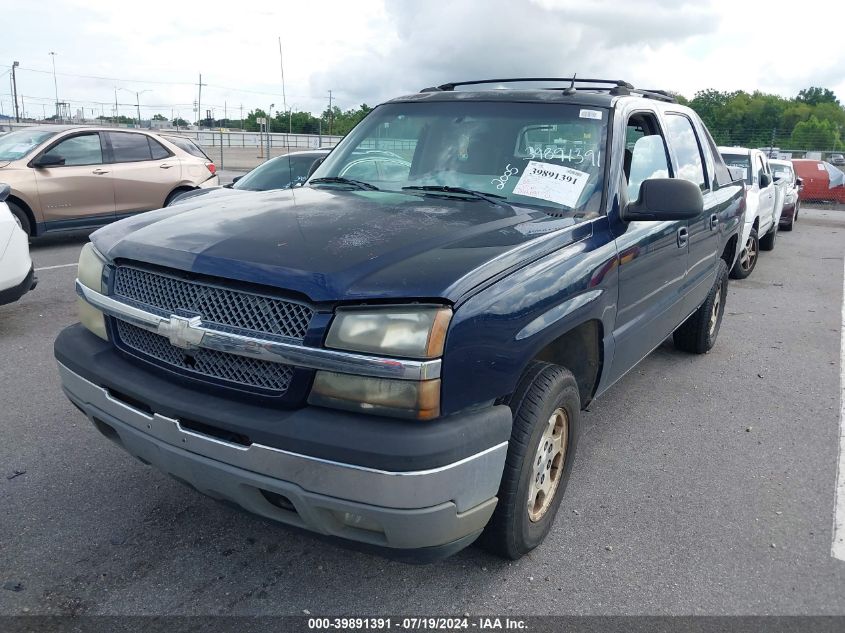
column 815, row 96
column 815, row 134
column 159, row 117
column 180, row 122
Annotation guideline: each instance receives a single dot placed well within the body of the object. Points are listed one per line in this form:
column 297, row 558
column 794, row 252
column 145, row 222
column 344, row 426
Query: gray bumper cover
column 406, row 510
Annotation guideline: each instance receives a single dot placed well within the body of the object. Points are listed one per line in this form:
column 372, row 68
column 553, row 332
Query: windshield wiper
column 345, row 181
column 492, row 198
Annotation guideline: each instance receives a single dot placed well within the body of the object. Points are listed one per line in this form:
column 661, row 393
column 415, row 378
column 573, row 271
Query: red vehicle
column 822, row 181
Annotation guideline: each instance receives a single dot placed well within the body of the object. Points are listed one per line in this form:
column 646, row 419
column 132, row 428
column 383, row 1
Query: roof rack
column 613, row 86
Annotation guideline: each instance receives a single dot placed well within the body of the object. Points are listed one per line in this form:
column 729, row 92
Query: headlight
column 410, row 332
column 90, row 274
column 419, row 400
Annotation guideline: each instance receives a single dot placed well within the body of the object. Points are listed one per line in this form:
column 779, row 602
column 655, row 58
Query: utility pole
column 331, row 113
column 23, row 108
column 199, row 102
column 267, row 135
column 138, row 106
column 242, row 117
column 55, row 83
column 15, row 91
column 225, row 113
column 116, row 111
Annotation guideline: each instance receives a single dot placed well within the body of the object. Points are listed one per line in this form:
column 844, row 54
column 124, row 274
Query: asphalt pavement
column 702, row 485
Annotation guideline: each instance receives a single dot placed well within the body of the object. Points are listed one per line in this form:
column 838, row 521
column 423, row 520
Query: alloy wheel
column 548, row 465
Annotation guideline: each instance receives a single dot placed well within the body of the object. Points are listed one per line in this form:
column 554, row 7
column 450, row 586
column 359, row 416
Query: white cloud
column 371, row 50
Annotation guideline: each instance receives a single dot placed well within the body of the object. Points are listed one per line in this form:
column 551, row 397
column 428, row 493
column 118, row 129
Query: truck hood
column 335, row 245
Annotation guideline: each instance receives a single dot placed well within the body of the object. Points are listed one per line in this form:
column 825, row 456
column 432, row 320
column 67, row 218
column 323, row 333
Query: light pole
column 55, row 83
column 15, row 91
column 290, row 118
column 137, row 100
column 269, row 142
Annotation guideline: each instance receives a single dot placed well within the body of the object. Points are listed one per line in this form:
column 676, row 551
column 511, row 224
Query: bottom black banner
column 539, row 624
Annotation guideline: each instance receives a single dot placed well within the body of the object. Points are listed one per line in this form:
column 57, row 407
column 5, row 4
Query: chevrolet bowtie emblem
column 181, row 332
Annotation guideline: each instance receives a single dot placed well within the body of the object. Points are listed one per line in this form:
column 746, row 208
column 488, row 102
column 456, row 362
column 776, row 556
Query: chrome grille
column 215, row 304
column 206, row 363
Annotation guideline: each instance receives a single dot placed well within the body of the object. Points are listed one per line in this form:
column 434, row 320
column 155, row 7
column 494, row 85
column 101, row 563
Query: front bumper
column 10, row 295
column 434, row 509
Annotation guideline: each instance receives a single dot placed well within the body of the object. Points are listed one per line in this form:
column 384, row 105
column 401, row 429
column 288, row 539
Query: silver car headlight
column 90, row 274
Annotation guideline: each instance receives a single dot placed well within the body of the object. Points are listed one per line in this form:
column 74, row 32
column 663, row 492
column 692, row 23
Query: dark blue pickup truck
column 398, row 352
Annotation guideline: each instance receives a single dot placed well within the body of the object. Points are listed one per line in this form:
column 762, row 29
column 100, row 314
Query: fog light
column 357, row 521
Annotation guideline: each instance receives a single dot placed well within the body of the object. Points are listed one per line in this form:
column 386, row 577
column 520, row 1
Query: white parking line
column 54, row 267
column 837, row 549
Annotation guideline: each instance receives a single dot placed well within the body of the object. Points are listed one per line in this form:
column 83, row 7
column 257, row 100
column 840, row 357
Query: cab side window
column 83, row 149
column 645, row 153
column 129, row 148
column 684, row 141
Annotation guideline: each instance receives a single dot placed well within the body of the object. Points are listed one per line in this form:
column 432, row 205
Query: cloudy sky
column 370, row 50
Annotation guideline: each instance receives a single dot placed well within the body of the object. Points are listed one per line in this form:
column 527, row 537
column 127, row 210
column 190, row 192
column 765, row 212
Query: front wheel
column 546, row 407
column 747, row 259
column 20, row 217
column 698, row 333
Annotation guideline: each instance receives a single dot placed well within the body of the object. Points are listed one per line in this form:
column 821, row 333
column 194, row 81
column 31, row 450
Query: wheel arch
column 181, row 188
column 26, row 209
column 580, row 350
column 730, row 250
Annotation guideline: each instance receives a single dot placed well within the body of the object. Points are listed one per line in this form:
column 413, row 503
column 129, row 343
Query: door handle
column 165, row 166
column 714, row 221
column 683, row 236
column 100, row 172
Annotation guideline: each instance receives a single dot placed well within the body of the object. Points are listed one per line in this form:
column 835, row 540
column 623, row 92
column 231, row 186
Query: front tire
column 546, row 409
column 747, row 259
column 20, row 217
column 698, row 333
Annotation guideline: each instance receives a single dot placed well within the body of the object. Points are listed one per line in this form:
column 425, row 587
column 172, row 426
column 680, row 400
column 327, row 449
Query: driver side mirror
column 799, row 182
column 666, row 199
column 49, row 160
column 765, row 180
column 236, row 179
column 314, row 166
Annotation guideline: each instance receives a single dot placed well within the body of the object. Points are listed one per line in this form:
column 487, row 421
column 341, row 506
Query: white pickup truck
column 764, row 204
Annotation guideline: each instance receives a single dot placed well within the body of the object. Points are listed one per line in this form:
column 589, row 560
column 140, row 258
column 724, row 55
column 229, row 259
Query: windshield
column 15, row 145
column 739, row 160
column 548, row 155
column 279, row 173
column 782, row 171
